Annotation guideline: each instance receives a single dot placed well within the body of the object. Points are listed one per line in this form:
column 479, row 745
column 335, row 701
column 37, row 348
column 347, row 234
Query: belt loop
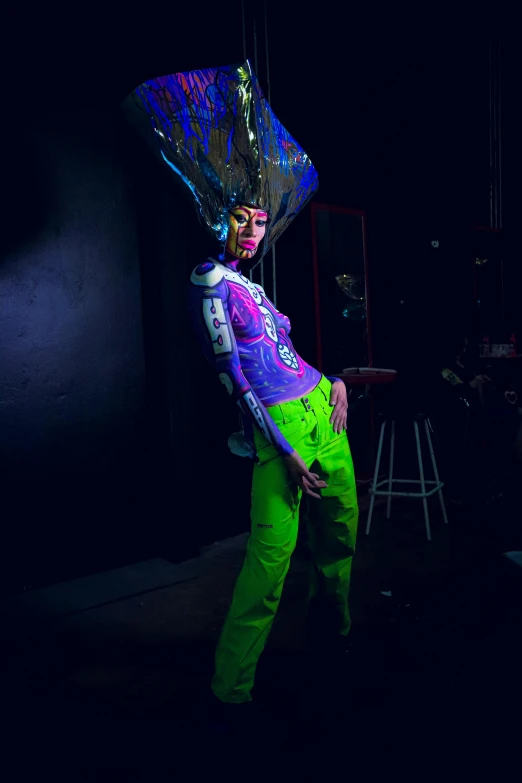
column 322, row 384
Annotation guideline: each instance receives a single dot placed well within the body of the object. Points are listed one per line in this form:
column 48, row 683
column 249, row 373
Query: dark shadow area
column 113, row 429
column 435, row 657
column 24, row 213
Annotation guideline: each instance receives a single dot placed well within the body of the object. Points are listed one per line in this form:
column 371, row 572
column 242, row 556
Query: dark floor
column 120, row 692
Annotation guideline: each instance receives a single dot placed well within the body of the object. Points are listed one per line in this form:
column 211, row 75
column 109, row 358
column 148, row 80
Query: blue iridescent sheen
column 217, row 132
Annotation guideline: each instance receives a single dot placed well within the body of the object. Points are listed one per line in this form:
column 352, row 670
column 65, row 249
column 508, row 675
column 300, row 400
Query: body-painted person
column 250, row 178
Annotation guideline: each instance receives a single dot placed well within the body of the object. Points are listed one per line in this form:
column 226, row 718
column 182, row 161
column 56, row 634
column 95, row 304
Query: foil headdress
column 216, row 131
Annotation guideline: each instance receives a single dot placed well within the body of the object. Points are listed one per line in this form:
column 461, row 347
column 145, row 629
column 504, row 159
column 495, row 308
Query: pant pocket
column 293, row 432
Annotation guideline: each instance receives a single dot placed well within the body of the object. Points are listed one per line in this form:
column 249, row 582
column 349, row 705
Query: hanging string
column 274, row 275
column 243, row 27
column 495, row 133
column 499, row 136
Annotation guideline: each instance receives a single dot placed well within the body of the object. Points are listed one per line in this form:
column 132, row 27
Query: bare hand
column 339, row 399
column 301, row 476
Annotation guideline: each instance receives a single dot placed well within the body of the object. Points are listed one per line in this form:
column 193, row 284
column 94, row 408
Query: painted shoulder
column 209, row 274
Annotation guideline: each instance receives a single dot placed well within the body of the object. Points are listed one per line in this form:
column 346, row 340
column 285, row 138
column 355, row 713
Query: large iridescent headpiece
column 217, row 132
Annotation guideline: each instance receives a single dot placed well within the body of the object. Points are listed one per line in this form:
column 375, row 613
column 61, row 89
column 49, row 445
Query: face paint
column 247, row 228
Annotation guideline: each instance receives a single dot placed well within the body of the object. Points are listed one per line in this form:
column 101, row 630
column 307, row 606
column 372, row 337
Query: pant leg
column 332, row 523
column 274, row 526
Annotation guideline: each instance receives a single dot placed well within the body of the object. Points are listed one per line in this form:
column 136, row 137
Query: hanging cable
column 243, row 27
column 256, row 69
column 267, row 57
column 491, row 185
column 255, row 49
column 495, row 133
column 269, row 96
column 499, row 135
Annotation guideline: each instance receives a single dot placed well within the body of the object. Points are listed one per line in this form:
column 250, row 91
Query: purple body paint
column 247, row 341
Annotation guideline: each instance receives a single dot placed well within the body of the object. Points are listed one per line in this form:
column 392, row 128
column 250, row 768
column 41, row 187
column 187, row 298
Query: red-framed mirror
column 342, row 307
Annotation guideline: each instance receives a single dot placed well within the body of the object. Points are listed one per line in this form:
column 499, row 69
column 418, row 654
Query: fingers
column 311, row 482
column 336, row 415
column 338, row 395
column 307, row 489
column 338, row 420
column 341, row 426
column 314, row 481
column 334, row 394
column 311, row 494
column 303, row 477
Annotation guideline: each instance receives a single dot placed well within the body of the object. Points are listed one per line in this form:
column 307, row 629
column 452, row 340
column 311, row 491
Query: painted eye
column 261, row 223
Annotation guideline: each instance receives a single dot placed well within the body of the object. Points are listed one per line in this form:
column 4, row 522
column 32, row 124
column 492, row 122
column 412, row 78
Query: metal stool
column 425, row 491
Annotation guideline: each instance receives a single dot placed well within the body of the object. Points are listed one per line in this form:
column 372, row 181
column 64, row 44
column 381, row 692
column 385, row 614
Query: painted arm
column 208, row 299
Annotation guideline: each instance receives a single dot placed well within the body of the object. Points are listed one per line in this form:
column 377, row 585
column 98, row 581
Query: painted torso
column 273, row 368
column 247, row 340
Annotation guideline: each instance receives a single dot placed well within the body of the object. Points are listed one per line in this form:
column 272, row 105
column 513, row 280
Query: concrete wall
column 72, row 371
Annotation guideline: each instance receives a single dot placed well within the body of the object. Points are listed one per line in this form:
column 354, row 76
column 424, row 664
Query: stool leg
column 390, row 475
column 423, row 485
column 375, row 478
column 435, row 471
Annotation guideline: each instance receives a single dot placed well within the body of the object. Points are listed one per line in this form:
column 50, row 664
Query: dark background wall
column 71, row 343
column 110, row 446
column 112, row 429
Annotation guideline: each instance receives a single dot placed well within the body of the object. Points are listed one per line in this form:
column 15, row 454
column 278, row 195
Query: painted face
column 246, row 230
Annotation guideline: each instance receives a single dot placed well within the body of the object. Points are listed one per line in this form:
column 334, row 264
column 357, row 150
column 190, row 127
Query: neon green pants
column 331, row 526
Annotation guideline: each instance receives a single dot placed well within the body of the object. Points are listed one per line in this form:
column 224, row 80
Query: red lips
column 248, row 245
